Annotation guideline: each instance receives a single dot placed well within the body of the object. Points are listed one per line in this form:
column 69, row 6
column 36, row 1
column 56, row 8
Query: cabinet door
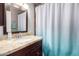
column 35, row 49
column 1, row 14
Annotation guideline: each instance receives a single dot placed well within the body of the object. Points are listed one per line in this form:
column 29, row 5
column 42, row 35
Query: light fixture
column 16, row 6
column 20, row 4
column 23, row 6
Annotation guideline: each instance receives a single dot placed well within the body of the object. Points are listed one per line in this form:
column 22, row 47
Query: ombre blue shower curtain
column 58, row 24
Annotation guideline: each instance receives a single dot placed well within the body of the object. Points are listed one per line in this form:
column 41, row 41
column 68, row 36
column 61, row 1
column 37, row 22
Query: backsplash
column 1, row 30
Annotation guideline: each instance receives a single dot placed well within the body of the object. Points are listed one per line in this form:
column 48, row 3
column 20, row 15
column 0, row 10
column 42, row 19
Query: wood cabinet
column 32, row 50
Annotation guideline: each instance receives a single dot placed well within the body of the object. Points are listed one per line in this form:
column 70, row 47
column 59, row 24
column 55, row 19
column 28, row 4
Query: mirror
column 18, row 16
column 18, row 20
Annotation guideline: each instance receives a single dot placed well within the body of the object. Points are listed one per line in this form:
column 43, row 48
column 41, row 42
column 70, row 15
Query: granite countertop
column 8, row 46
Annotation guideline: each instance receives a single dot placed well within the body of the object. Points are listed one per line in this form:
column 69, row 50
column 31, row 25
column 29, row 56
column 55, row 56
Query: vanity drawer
column 34, row 49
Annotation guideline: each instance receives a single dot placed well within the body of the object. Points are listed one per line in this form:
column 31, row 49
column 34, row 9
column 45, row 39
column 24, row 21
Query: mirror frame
column 5, row 32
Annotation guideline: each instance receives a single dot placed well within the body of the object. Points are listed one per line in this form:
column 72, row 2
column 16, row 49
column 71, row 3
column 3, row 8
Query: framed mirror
column 19, row 17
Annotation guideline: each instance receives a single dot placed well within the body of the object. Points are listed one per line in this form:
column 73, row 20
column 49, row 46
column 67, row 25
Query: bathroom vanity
column 27, row 46
column 34, row 49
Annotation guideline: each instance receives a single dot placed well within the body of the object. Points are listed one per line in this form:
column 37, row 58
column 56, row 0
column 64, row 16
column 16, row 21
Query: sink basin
column 23, row 39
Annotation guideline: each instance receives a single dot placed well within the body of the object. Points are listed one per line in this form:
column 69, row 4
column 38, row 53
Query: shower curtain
column 58, row 24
